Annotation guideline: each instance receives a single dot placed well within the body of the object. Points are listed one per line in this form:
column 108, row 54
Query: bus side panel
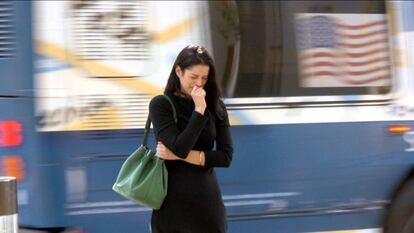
column 338, row 175
column 338, row 171
column 24, row 161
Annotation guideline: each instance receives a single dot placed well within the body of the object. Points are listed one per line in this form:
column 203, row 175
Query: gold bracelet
column 199, row 155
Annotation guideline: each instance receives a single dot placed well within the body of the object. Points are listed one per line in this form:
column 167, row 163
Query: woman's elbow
column 178, row 149
column 181, row 152
column 227, row 159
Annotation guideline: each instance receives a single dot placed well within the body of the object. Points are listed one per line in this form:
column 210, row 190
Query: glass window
column 300, row 48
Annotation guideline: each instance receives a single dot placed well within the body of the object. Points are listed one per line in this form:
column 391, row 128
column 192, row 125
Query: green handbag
column 143, row 177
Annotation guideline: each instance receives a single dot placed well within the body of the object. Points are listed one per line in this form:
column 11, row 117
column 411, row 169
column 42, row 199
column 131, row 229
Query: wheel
column 400, row 214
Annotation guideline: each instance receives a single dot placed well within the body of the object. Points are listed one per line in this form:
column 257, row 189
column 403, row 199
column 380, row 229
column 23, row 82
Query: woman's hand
column 164, row 153
column 199, row 97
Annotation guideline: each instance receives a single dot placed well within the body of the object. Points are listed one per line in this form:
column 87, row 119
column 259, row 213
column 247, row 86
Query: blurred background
column 319, row 94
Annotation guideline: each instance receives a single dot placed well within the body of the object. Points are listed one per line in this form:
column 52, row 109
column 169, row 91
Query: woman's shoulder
column 159, row 101
column 221, row 111
column 221, row 103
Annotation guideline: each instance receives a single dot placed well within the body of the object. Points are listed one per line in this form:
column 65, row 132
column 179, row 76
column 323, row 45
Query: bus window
column 301, row 48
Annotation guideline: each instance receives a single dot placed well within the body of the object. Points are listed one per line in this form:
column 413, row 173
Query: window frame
column 333, row 100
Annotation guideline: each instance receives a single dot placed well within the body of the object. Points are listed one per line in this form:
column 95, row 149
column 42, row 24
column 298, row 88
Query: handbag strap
column 148, row 124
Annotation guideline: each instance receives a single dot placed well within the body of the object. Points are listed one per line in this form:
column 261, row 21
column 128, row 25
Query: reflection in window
column 300, row 48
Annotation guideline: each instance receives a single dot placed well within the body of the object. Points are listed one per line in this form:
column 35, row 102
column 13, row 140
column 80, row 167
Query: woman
column 193, row 203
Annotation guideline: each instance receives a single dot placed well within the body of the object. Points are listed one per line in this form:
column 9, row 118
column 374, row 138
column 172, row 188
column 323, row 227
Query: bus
column 320, row 96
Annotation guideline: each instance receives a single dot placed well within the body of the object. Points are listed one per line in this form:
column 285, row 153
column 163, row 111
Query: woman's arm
column 223, row 154
column 166, row 131
column 195, row 157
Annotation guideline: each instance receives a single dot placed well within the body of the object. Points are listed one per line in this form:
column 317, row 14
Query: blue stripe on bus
column 56, row 65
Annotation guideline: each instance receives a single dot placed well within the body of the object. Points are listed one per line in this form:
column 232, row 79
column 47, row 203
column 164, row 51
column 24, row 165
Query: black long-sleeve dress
column 193, row 203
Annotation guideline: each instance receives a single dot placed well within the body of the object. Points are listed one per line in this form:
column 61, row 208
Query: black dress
column 193, row 203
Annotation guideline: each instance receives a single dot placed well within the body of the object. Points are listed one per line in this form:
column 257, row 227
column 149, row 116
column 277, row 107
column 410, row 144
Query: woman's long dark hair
column 188, row 57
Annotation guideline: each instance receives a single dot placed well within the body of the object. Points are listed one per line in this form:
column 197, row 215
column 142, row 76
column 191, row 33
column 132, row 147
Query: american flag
column 343, row 50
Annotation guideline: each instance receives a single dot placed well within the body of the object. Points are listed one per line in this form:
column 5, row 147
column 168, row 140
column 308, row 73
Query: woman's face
column 196, row 75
